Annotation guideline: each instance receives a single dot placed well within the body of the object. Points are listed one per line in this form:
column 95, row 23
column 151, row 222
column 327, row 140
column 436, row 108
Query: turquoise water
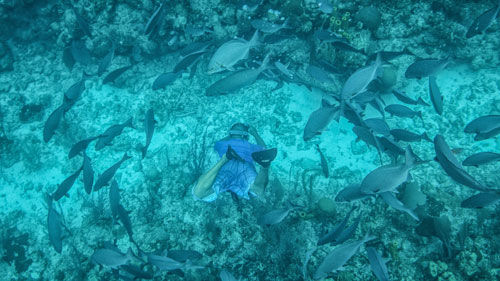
column 37, row 46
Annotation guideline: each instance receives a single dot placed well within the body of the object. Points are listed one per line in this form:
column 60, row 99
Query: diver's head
column 239, row 130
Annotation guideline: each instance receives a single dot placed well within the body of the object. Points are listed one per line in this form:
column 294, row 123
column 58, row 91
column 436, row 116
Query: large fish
column 436, row 98
column 107, row 137
column 113, row 75
column 482, row 22
column 54, row 224
column 75, row 91
column 404, row 135
column 155, row 19
column 481, row 200
column 126, row 222
column 481, row 158
column 484, row 127
column 319, row 74
column 377, row 264
column 426, row 67
column 230, row 53
column 66, row 185
column 392, row 201
column 389, row 177
column 105, row 177
column 88, row 173
column 52, row 122
column 452, row 167
column 187, row 61
column 319, row 120
column 338, row 257
column 165, row 79
column 149, row 127
column 324, row 163
column 378, row 126
column 237, row 80
column 359, row 81
column 275, row 216
column 168, row 264
column 111, row 257
column 80, row 146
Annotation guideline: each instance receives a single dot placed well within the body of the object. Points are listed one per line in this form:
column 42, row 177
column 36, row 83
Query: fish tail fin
column 410, row 158
column 129, row 123
column 421, row 102
column 368, row 237
column 265, row 63
column 419, row 114
column 426, row 137
column 126, row 156
column 144, row 151
column 255, row 39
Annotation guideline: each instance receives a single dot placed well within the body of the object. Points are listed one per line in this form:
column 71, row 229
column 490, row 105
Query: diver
column 235, row 171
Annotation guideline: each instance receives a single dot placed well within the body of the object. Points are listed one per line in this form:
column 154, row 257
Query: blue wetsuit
column 235, row 176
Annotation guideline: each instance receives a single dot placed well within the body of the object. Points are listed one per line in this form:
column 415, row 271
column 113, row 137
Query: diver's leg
column 203, row 187
column 260, row 183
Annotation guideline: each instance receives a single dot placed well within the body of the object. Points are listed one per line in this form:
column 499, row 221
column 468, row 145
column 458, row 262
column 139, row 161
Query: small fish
column 195, row 47
column 404, row 135
column 80, row 52
column 482, row 22
column 107, row 137
column 481, row 158
column 436, row 98
column 392, row 201
column 54, row 224
column 268, row 27
column 184, row 255
column 377, row 264
column 126, row 222
column 378, row 126
column 481, row 200
column 113, row 75
column 106, row 61
column 136, row 271
column 325, row 6
column 389, row 177
column 66, row 185
column 345, row 46
column 52, row 123
column 319, row 120
column 225, row 275
column 326, row 36
column 114, row 198
column 164, row 80
column 105, row 177
column 75, row 91
column 68, row 59
column 390, row 55
column 230, row 53
column 275, row 216
column 88, row 173
column 237, row 80
column 351, row 193
column 80, row 146
column 338, row 257
column 426, row 67
column 168, row 264
column 333, row 234
column 402, row 111
column 348, row 232
column 155, row 19
column 406, row 99
column 484, row 127
column 284, row 69
column 172, row 40
column 319, row 74
column 452, row 167
column 187, row 61
column 84, row 26
column 149, row 127
column 111, row 258
column 196, row 31
column 249, row 5
column 324, row 163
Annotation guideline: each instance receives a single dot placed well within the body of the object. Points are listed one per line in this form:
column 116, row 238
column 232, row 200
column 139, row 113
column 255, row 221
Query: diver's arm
column 258, row 139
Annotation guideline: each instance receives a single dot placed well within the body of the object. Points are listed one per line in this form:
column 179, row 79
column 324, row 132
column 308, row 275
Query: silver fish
column 274, row 216
column 377, row 264
column 392, row 201
column 378, row 126
column 186, row 62
column 351, row 193
column 402, row 111
column 164, row 80
column 404, row 135
column 338, row 257
column 436, row 98
column 319, row 120
column 196, row 31
column 452, row 167
column 284, row 69
column 52, row 122
column 484, row 127
column 325, row 6
column 149, row 128
column 75, row 91
column 426, row 67
column 482, row 22
column 268, row 27
column 168, row 264
column 390, row 55
column 111, row 257
column 237, row 80
column 481, row 200
column 389, row 177
column 155, row 19
column 348, row 232
column 481, row 158
column 230, row 53
column 88, row 173
column 406, row 99
column 66, row 185
column 334, row 234
column 319, row 74
column 105, row 177
column 54, row 224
